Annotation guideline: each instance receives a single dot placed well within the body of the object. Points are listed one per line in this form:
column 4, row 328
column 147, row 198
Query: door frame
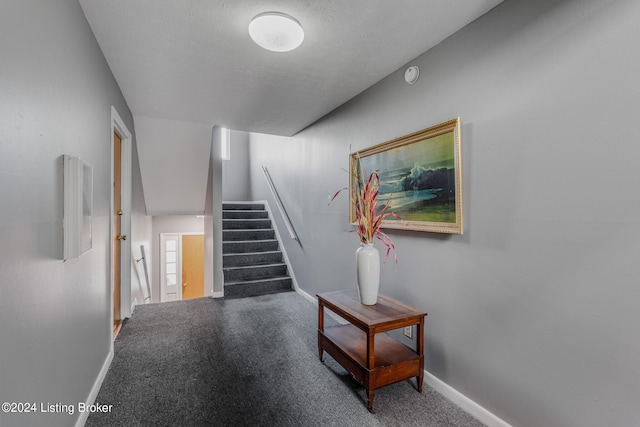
column 118, row 126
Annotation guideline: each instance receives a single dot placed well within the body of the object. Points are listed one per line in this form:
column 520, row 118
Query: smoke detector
column 411, row 75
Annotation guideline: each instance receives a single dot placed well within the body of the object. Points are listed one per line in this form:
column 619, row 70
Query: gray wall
column 534, row 312
column 235, row 171
column 56, row 92
column 213, row 217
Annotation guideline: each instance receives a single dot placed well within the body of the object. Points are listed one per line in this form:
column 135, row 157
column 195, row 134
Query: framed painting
column 420, row 177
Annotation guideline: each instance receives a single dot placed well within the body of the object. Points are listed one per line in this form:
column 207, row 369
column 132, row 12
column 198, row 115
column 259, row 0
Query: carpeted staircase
column 252, row 261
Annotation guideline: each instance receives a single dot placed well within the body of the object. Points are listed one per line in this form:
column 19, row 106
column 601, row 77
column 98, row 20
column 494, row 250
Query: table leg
column 420, row 348
column 370, row 400
column 371, row 358
column 370, row 350
column 320, row 327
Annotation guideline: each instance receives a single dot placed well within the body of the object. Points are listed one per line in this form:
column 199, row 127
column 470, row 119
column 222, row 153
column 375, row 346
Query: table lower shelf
column 393, row 361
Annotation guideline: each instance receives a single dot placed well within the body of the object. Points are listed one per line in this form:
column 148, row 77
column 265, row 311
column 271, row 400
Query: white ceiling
column 193, row 60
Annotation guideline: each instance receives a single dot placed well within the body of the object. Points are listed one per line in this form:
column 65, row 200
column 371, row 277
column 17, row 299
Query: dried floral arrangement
column 369, row 215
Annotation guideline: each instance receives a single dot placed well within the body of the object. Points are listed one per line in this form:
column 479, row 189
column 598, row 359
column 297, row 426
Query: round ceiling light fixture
column 275, row 31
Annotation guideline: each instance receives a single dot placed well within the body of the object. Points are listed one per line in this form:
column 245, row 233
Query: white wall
column 141, row 234
column 56, row 93
column 214, row 217
column 208, row 228
column 174, row 160
column 533, row 312
column 235, row 171
column 141, row 231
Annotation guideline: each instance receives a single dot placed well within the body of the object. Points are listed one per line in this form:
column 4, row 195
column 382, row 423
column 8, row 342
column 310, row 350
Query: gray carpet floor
column 247, row 362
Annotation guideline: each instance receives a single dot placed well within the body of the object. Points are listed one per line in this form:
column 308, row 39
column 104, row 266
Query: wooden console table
column 374, row 361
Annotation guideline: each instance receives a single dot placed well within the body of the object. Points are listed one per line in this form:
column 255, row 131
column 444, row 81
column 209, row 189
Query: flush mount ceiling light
column 276, row 31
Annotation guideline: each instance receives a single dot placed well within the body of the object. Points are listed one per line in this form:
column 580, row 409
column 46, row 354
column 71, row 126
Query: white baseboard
column 466, row 404
column 219, row 294
column 307, row 296
column 314, row 300
column 82, row 418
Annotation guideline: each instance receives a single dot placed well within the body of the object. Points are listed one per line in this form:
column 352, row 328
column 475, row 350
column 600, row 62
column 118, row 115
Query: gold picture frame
column 421, row 177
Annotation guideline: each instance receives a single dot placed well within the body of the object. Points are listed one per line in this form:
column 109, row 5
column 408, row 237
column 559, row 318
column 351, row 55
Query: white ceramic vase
column 368, row 272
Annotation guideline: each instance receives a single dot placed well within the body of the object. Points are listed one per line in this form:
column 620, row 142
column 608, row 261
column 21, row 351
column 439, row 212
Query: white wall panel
column 174, row 162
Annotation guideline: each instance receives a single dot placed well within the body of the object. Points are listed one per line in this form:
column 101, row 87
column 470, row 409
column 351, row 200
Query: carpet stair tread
column 240, row 267
column 259, row 281
column 252, row 260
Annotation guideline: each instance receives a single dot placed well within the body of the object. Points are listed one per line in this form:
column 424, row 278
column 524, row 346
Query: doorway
column 120, row 221
column 181, row 266
column 192, row 266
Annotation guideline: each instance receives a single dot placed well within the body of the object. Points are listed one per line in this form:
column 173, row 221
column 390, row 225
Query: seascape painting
column 420, row 177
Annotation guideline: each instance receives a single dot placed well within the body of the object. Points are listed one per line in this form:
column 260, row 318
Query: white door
column 170, row 267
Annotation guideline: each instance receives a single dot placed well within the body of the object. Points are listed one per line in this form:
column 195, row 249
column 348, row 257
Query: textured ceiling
column 193, row 60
